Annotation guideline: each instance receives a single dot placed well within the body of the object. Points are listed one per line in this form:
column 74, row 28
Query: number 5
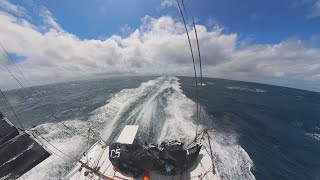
column 118, row 153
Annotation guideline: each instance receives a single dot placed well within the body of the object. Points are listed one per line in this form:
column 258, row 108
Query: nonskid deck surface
column 98, row 156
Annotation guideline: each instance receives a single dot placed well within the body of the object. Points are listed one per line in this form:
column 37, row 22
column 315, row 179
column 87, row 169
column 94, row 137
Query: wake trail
column 162, row 112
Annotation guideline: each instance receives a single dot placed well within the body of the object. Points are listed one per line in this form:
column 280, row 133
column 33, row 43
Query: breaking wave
column 314, row 136
column 163, row 112
column 246, row 89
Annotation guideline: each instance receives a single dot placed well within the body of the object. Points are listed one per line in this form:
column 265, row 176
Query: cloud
column 169, row 3
column 3, row 58
column 125, row 30
column 157, row 46
column 103, row 10
column 312, row 7
column 314, row 10
column 48, row 20
column 11, row 8
column 289, row 59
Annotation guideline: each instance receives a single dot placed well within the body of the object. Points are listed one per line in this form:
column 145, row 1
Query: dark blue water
column 276, row 128
column 69, row 100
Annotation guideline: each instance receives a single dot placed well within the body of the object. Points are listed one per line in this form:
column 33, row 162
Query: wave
column 71, row 144
column 247, row 89
column 163, row 113
column 201, row 84
column 314, row 136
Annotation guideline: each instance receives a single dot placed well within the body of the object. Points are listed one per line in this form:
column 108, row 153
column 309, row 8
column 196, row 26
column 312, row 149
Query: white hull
column 202, row 169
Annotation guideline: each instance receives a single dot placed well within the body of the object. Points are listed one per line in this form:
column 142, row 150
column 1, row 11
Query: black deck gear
column 167, row 159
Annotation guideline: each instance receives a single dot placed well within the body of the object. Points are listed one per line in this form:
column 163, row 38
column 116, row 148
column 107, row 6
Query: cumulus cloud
column 312, row 7
column 125, row 30
column 157, row 46
column 48, row 20
column 314, row 10
column 5, row 5
column 169, row 3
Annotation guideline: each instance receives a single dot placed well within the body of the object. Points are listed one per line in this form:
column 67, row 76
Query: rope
column 198, row 104
column 25, row 80
column 14, row 76
column 200, row 65
column 37, row 132
column 211, row 152
column 24, row 88
column 195, row 31
column 101, row 175
column 34, row 135
column 14, row 63
column 99, row 158
column 14, row 112
column 79, row 173
column 203, row 136
column 88, row 144
column 193, row 61
column 17, row 69
column 36, row 102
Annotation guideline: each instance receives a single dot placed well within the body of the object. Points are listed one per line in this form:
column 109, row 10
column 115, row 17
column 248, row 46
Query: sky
column 273, row 42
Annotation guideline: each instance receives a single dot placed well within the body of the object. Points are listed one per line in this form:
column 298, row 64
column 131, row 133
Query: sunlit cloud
column 158, row 46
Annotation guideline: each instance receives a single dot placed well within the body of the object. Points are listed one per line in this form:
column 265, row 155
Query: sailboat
column 130, row 159
column 125, row 159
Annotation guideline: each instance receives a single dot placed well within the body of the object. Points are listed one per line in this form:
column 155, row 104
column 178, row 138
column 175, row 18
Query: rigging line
column 12, row 73
column 195, row 31
column 194, row 66
column 198, row 98
column 14, row 112
column 185, row 4
column 200, row 66
column 37, row 132
column 196, row 34
column 184, row 7
column 14, row 76
column 99, row 158
column 42, row 144
column 212, row 157
column 32, row 98
column 88, row 144
column 14, row 63
column 27, row 82
column 198, row 104
column 79, row 174
column 199, row 56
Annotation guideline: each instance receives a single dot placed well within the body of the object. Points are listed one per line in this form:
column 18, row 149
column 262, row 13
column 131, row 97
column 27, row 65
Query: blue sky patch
column 263, row 21
column 17, row 58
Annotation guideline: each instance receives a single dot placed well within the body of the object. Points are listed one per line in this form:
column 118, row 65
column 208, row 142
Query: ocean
column 258, row 131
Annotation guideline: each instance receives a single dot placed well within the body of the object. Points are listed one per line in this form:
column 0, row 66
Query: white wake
column 163, row 113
